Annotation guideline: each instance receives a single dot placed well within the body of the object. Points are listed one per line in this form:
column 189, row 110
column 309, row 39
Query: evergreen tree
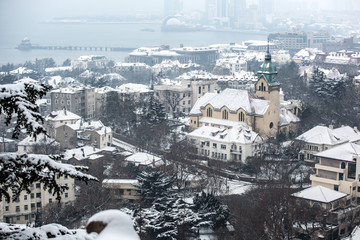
column 154, row 185
column 211, row 211
column 19, row 171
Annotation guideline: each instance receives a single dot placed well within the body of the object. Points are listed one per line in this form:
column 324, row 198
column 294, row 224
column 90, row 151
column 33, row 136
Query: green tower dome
column 268, row 70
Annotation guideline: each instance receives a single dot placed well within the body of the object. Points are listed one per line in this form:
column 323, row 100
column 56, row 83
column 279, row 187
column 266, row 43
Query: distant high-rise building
column 172, row 7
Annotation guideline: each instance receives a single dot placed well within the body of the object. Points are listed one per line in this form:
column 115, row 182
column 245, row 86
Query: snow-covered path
column 124, row 145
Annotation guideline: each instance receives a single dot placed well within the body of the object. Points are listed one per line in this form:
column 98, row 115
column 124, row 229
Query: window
column 26, row 217
column 31, row 195
column 37, row 185
column 38, row 204
column 271, row 125
column 26, row 207
column 241, row 117
column 214, row 145
column 6, row 208
column 66, row 195
column 209, row 112
column 336, row 187
column 223, row 146
column 199, row 90
column 351, row 170
column 225, row 114
column 343, row 165
column 50, row 200
column 17, row 208
column 32, row 206
column 25, row 197
column 341, row 176
column 38, row 195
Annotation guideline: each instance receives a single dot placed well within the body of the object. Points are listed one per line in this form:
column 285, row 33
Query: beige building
column 339, row 169
column 57, row 119
column 80, row 100
column 261, row 111
column 123, row 189
column 80, row 133
column 180, row 95
column 24, row 210
column 340, row 212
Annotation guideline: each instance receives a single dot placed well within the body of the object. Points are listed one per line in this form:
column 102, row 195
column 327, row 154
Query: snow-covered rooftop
column 80, row 153
column 322, row 135
column 120, row 181
column 239, row 134
column 286, row 117
column 40, row 139
column 320, row 194
column 352, row 134
column 62, row 115
column 343, row 152
column 142, row 158
column 233, row 99
column 133, row 88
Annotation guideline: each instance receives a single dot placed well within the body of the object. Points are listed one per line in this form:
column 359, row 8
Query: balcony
column 324, row 180
column 330, row 169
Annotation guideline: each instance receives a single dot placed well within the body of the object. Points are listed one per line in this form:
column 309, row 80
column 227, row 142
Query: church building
column 260, row 110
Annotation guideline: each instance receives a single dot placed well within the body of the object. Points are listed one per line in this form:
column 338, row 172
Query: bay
column 127, row 35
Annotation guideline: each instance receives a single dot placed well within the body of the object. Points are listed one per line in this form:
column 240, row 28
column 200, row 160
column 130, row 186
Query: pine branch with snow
column 19, row 171
column 19, row 100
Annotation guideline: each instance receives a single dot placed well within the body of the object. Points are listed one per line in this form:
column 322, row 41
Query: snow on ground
column 118, row 225
column 50, row 231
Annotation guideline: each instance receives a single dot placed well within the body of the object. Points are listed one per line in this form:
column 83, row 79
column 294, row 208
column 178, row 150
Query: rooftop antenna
column 268, row 40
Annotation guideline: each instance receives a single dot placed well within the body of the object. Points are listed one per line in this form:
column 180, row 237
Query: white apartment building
column 89, row 62
column 235, row 143
column 321, row 138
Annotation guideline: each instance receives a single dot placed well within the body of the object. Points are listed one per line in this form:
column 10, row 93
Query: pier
column 78, row 48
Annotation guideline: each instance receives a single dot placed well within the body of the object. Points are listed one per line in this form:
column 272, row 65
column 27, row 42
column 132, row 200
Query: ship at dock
column 25, row 45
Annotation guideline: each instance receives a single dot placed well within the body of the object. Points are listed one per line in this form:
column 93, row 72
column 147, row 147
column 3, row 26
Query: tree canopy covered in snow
column 19, row 171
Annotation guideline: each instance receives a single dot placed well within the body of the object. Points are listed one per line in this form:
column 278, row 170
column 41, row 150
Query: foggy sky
column 42, row 10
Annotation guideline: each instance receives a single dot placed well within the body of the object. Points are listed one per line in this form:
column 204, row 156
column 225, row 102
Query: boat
column 25, row 44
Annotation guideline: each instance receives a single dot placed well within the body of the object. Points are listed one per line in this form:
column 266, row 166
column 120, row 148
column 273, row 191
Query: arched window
column 225, row 114
column 241, row 117
column 264, row 89
column 271, row 125
column 262, row 86
column 209, row 112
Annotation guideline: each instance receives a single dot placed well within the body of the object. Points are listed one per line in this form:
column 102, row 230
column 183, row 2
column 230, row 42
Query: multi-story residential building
column 80, row 133
column 233, row 144
column 242, row 80
column 339, row 213
column 321, row 138
column 28, row 206
column 100, row 100
column 339, row 168
column 136, row 67
column 179, row 96
column 260, row 111
column 155, row 55
column 57, row 119
column 123, row 189
column 90, row 62
column 80, row 100
column 290, row 41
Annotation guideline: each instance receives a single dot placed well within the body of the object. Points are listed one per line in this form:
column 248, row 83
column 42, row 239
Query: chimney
column 65, row 111
column 356, row 129
column 331, row 126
